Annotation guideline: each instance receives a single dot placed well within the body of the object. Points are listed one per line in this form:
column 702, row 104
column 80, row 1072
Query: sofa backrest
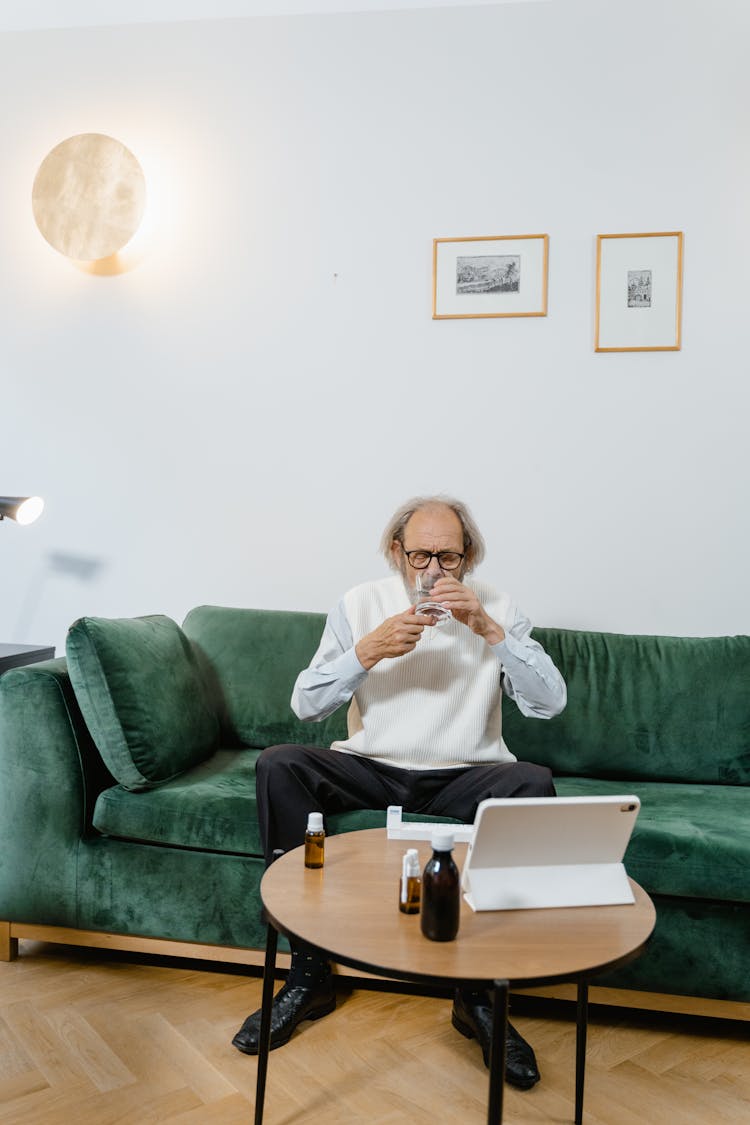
column 662, row 708
column 251, row 658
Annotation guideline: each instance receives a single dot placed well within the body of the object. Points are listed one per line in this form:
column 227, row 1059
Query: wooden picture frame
column 489, row 276
column 639, row 292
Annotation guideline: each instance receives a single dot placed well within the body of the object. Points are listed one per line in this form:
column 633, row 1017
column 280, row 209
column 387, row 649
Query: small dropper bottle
column 315, row 840
column 410, row 887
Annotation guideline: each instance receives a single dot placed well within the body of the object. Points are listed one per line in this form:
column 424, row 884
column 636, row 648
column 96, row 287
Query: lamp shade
column 22, row 509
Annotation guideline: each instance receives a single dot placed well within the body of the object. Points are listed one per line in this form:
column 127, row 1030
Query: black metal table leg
column 264, row 1043
column 582, row 1019
column 497, row 1051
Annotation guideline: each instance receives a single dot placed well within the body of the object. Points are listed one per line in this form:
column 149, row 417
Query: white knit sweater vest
column 439, row 705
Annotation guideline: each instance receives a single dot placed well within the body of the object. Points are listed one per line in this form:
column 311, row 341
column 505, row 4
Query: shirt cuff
column 508, row 647
column 348, row 665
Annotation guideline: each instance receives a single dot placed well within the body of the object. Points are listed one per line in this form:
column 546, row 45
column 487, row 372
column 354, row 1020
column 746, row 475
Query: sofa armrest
column 50, row 776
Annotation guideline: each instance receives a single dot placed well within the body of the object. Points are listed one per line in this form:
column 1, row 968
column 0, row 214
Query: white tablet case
column 530, row 852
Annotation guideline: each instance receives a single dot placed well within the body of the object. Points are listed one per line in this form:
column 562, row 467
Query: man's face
column 430, row 529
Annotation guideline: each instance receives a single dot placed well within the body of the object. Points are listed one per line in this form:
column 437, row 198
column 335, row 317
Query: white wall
column 233, row 418
column 24, row 15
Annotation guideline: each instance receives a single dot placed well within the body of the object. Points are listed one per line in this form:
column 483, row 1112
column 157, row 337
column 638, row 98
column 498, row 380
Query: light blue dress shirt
column 529, row 676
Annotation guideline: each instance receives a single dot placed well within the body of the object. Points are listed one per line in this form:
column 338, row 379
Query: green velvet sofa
column 127, row 799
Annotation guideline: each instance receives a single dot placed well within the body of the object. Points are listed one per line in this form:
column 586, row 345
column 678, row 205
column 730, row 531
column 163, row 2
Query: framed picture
column 496, row 275
column 638, row 292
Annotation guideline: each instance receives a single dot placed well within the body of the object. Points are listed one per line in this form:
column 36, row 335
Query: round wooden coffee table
column 348, row 910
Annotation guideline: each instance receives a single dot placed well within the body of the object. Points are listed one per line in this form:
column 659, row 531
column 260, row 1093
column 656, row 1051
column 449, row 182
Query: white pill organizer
column 399, row 829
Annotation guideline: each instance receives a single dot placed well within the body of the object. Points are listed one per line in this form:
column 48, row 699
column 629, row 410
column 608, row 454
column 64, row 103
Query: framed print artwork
column 496, row 275
column 638, row 292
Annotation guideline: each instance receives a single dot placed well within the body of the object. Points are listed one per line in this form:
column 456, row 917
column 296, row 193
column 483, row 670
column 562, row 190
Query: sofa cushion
column 143, row 697
column 690, row 841
column 252, row 658
column 209, row 808
column 652, row 708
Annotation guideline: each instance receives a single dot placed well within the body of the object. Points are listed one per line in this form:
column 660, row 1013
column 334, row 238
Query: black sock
column 473, row 997
column 307, row 969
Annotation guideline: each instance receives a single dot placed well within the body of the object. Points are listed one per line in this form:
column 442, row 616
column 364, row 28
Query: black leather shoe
column 472, row 1016
column 291, row 1005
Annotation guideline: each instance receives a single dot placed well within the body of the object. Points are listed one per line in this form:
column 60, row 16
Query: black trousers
column 292, row 781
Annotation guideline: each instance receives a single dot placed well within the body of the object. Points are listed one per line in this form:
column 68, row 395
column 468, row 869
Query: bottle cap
column 442, row 841
column 315, row 822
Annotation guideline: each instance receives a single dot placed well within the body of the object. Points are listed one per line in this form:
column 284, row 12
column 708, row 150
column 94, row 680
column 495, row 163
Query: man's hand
column 466, row 608
column 395, row 637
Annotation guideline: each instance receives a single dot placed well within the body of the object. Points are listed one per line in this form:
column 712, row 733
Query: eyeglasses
column 447, row 560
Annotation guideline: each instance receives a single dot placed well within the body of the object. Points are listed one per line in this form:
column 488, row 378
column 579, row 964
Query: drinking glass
column 425, row 604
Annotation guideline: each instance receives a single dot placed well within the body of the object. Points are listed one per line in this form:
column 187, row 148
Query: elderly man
column 424, row 728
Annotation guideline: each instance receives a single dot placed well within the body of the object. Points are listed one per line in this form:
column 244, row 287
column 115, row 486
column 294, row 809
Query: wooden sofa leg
column 8, row 944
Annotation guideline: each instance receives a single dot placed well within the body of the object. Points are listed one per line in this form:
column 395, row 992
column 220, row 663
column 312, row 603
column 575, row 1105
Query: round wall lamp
column 89, row 196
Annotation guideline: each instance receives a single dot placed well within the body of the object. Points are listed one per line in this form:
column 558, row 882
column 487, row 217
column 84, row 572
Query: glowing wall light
column 89, row 196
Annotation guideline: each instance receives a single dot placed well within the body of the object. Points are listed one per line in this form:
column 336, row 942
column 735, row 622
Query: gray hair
column 473, row 541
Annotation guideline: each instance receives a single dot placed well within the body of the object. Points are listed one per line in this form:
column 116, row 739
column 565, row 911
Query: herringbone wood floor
column 91, row 1038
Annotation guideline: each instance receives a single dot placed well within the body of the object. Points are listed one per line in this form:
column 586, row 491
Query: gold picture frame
column 505, row 276
column 639, row 292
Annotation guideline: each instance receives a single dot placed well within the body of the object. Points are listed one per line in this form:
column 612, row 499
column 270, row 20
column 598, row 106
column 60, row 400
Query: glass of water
column 424, row 602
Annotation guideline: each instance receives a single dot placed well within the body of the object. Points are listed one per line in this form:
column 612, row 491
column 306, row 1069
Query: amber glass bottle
column 441, row 891
column 410, row 885
column 315, row 840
